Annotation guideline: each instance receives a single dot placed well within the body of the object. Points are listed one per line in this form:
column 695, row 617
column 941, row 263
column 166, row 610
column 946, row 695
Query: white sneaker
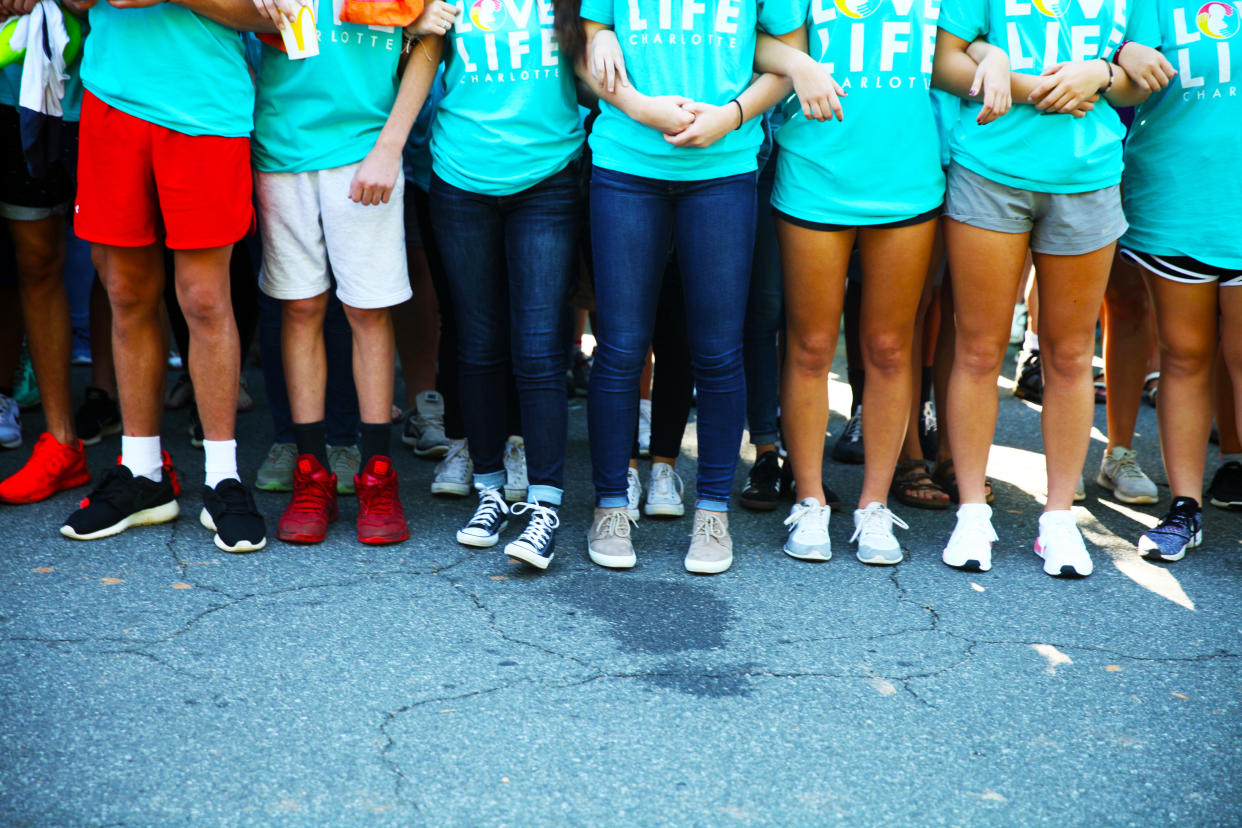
column 1120, row 472
column 664, row 492
column 644, row 428
column 10, row 423
column 515, row 470
column 1061, row 546
column 633, row 493
column 455, row 473
column 970, row 545
column 808, row 531
column 873, row 529
column 424, row 426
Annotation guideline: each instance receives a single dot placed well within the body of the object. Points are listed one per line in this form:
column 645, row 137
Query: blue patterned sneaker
column 1181, row 529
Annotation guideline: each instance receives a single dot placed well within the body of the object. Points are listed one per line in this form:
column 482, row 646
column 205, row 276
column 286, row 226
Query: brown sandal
column 945, row 476
column 912, row 485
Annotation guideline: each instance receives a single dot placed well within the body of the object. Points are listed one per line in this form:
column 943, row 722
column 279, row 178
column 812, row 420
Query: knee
column 978, row 357
column 204, row 301
column 811, row 354
column 887, row 353
column 129, row 295
column 1184, row 359
column 1066, row 358
column 367, row 318
column 304, row 312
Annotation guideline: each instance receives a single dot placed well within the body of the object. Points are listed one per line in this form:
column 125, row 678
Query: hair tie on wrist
column 1109, row 64
column 741, row 115
column 1117, row 51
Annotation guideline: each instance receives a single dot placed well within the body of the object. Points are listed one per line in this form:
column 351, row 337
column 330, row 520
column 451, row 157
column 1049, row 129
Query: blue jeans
column 765, row 317
column 712, row 226
column 510, row 260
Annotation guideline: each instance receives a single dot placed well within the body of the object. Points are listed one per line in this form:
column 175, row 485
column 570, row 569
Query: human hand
column 1147, row 68
column 375, row 177
column 1085, row 107
column 280, row 12
column 606, row 61
column 666, row 113
column 1066, row 85
column 78, row 7
column 437, row 18
column 817, row 91
column 711, row 123
column 992, row 77
column 16, row 8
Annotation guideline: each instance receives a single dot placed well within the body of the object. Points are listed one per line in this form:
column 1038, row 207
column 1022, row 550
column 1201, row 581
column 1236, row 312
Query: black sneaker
column 97, row 418
column 763, row 483
column 229, row 511
column 789, row 491
column 196, row 428
column 1028, row 380
column 1226, row 489
column 489, row 520
column 537, row 543
column 849, row 446
column 1179, row 530
column 121, row 501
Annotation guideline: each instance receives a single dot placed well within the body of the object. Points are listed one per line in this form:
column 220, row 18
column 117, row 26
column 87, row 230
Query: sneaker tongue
column 379, row 466
column 304, row 465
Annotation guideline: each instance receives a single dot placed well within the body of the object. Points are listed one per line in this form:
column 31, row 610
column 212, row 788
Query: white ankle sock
column 1030, row 341
column 220, row 462
column 141, row 455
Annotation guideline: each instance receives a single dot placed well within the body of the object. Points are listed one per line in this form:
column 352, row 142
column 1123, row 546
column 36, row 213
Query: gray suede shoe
column 608, row 539
column 711, row 548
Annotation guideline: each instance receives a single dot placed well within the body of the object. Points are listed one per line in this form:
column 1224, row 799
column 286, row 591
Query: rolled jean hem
column 613, row 502
column 712, row 505
column 489, row 480
column 763, row 439
column 544, row 495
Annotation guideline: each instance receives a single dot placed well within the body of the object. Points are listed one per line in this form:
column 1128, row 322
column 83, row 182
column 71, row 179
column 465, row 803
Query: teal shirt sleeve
column 779, row 17
column 967, row 19
column 598, row 10
column 1144, row 26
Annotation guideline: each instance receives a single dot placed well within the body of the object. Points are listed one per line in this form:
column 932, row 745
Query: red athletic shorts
column 139, row 182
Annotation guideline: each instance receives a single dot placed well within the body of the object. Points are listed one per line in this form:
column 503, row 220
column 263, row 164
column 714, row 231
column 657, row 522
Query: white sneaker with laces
column 455, row 473
column 516, row 482
column 664, row 492
column 424, row 426
column 633, row 493
column 537, row 543
column 10, row 423
column 970, row 545
column 490, row 518
column 1061, row 546
column 808, row 531
column 873, row 529
column 711, row 547
column 1120, row 472
column 644, row 428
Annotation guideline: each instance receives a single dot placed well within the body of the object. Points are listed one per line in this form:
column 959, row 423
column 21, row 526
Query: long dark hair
column 570, row 33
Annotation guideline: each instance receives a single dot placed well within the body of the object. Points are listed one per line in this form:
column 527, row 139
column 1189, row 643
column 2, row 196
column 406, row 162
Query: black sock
column 857, row 377
column 925, row 384
column 311, row 438
column 376, row 438
column 1185, row 504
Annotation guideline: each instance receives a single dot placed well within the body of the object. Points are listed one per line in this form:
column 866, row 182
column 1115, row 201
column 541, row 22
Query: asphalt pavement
column 150, row 679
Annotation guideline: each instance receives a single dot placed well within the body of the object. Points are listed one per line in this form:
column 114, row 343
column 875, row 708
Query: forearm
column 774, row 56
column 1124, row 91
column 765, row 92
column 420, row 73
column 953, row 68
column 242, row 15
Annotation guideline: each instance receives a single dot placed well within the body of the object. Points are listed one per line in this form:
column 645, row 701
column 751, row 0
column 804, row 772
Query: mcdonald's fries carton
column 301, row 37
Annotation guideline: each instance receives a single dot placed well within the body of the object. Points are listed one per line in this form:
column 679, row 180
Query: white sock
column 975, row 510
column 220, row 462
column 1056, row 516
column 1030, row 341
column 141, row 455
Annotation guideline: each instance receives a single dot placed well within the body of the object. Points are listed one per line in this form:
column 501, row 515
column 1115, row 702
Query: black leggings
column 672, row 380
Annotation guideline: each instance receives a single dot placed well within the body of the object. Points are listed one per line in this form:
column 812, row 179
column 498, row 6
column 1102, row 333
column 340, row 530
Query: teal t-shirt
column 326, row 111
column 1026, row 148
column 849, row 172
column 1183, row 181
column 171, row 67
column 509, row 117
column 702, row 49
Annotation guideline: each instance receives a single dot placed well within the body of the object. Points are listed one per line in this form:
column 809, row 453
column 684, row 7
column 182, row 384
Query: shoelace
column 766, row 472
column 378, row 498
column 491, row 507
column 710, row 526
column 809, row 513
column 236, row 500
column 665, row 480
column 1128, row 467
column 873, row 519
column 543, row 521
column 456, row 458
column 309, row 499
column 979, row 526
column 1182, row 520
column 929, row 416
column 108, row 491
column 616, row 524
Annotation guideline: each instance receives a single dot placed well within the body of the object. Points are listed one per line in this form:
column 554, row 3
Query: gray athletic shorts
column 1060, row 224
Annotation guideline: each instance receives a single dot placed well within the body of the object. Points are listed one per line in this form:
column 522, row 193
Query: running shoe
column 763, row 483
column 849, row 446
column 52, row 468
column 929, row 429
column 181, row 394
column 120, row 501
column 424, row 426
column 633, row 492
column 10, row 423
column 516, row 482
column 1226, row 489
column 711, row 547
column 664, row 492
column 276, row 472
column 25, row 386
column 490, row 518
column 344, row 462
column 808, row 531
column 98, row 417
column 1179, row 530
column 81, row 353
column 455, row 473
column 970, row 545
column 873, row 529
column 1120, row 473
column 644, row 428
column 608, row 539
column 229, row 511
column 313, row 507
column 537, row 543
column 380, row 516
column 245, row 402
column 1061, row 546
column 1028, row 380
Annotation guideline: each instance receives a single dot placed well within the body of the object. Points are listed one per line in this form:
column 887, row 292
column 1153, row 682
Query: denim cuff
column 544, row 495
column 712, row 505
column 611, row 502
column 490, row 480
column 763, row 439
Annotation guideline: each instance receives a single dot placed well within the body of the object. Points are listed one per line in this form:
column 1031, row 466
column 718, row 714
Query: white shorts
column 312, row 232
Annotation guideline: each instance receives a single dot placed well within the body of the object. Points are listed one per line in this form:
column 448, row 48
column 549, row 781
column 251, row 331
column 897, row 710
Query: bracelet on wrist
column 1117, row 52
column 1111, row 76
column 741, row 115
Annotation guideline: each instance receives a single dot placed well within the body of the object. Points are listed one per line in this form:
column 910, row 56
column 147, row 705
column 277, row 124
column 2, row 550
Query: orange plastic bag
column 381, row 12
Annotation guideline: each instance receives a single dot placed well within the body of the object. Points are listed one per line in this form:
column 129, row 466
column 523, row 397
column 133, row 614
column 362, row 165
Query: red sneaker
column 52, row 467
column 306, row 518
column 380, row 516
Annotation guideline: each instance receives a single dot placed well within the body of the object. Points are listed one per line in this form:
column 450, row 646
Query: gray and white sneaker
column 873, row 529
column 424, row 426
column 1120, row 472
column 490, row 518
column 344, row 462
column 633, row 493
column 516, row 482
column 644, row 428
column 608, row 539
column 664, row 492
column 455, row 473
column 808, row 531
column 711, row 548
column 276, row 473
column 10, row 423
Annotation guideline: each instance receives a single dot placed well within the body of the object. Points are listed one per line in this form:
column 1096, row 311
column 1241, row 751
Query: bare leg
column 375, row 354
column 1228, row 419
column 304, row 356
column 1126, row 321
column 134, row 279
column 202, row 282
column 103, row 371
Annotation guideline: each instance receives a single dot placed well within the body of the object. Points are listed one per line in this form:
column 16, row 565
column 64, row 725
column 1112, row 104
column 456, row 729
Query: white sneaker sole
column 453, row 489
column 12, row 444
column 1149, row 551
column 816, row 556
column 527, row 556
column 1064, row 570
column 433, row 453
column 612, row 561
column 881, row 558
column 513, row 494
column 481, row 541
column 144, row 517
column 664, row 509
column 968, row 564
column 204, row 517
column 1105, row 483
column 708, row 567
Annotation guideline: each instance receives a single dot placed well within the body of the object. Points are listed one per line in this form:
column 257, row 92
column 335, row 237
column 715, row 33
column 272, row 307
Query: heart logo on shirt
column 1218, row 21
column 858, row 9
column 488, row 15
